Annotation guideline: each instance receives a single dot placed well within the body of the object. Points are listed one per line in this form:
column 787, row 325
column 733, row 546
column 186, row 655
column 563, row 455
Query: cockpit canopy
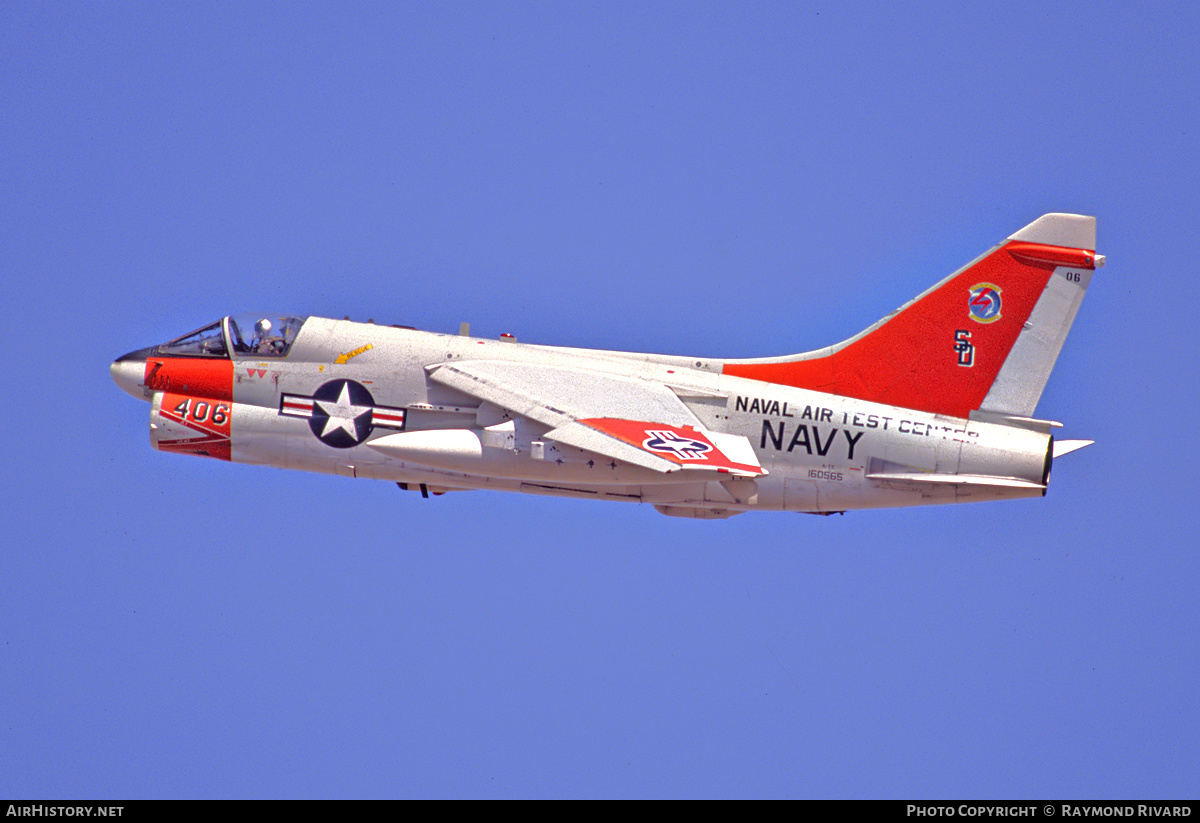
column 252, row 335
column 246, row 335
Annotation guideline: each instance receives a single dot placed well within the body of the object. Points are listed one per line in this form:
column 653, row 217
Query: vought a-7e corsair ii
column 932, row 404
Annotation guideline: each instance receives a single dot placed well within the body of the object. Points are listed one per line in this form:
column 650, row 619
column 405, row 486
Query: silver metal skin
column 439, row 412
column 128, row 375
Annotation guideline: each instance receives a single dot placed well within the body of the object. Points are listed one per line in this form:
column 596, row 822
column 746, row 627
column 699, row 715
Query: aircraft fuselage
column 345, row 387
column 932, row 404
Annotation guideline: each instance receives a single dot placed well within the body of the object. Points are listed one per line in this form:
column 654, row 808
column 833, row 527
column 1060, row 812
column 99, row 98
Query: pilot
column 264, row 343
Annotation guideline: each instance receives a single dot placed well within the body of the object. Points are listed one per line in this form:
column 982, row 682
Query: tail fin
column 984, row 338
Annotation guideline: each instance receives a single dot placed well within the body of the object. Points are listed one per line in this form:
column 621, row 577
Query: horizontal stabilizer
column 1021, row 422
column 1062, row 447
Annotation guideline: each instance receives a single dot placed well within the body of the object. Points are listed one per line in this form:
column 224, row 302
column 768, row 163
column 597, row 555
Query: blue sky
column 574, row 174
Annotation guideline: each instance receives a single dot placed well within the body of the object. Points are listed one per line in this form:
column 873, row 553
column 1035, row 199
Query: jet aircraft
column 932, row 404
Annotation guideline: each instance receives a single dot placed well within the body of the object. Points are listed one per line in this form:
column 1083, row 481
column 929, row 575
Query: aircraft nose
column 129, row 373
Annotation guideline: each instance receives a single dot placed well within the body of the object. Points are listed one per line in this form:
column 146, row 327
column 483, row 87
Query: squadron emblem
column 984, row 303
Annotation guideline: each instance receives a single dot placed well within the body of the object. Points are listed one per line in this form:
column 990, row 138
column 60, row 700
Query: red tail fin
column 1007, row 312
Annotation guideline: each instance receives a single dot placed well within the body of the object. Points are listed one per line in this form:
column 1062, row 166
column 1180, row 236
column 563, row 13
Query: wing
column 624, row 418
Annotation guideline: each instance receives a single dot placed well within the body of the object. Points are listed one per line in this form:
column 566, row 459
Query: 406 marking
column 202, row 411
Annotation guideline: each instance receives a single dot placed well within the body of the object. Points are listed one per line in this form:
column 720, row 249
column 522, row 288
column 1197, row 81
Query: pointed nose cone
column 129, row 372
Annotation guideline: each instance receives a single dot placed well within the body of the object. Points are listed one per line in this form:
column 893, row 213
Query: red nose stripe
column 191, row 375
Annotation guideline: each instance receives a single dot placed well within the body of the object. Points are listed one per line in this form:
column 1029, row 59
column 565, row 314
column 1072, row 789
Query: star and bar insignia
column 341, row 413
